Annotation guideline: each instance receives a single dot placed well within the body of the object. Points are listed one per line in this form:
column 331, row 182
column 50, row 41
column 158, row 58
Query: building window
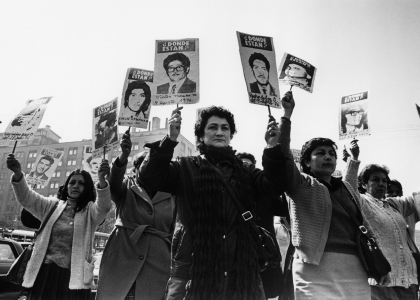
column 68, row 173
column 136, row 147
column 73, row 151
column 71, row 162
column 30, row 165
column 56, row 174
column 54, row 185
column 60, row 163
column 32, row 154
column 189, row 152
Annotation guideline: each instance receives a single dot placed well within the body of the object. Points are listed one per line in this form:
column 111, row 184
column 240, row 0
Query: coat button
column 149, row 212
column 141, row 257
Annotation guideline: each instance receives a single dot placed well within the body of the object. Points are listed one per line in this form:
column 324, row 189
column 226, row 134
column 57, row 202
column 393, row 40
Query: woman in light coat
column 61, row 266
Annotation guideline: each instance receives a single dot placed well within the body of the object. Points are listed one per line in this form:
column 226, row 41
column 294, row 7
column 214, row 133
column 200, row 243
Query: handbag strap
column 46, row 219
column 352, row 216
column 246, row 214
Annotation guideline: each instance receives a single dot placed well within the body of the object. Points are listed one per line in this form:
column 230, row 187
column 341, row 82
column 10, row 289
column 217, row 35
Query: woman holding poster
column 136, row 261
column 326, row 263
column 61, row 265
column 214, row 251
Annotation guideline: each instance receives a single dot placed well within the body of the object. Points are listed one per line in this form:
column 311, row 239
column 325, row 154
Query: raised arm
column 102, row 205
column 352, row 166
column 119, row 166
column 157, row 171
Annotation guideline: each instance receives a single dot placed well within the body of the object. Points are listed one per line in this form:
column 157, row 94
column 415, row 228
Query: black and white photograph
column 104, row 128
column 176, row 72
column 294, row 71
column 259, row 66
column 354, row 116
column 44, row 166
column 136, row 100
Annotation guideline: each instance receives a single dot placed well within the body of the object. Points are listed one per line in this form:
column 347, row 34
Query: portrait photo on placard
column 294, row 71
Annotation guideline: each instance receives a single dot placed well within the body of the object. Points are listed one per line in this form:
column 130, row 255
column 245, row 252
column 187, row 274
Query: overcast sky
column 79, row 51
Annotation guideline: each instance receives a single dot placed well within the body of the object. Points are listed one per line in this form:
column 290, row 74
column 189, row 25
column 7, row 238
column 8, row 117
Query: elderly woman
column 137, row 258
column 386, row 216
column 61, row 265
column 214, row 251
column 326, row 263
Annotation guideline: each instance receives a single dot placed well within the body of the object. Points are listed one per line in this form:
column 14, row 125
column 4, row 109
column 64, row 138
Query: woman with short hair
column 326, row 262
column 214, row 251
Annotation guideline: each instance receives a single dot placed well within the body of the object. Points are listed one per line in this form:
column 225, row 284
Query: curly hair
column 311, row 145
column 89, row 193
column 258, row 56
column 185, row 61
column 138, row 160
column 139, row 84
column 205, row 115
column 364, row 175
column 395, row 182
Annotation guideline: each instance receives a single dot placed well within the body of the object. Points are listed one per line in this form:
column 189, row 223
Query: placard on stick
column 297, row 72
column 176, row 72
column 104, row 128
column 25, row 124
column 259, row 65
column 136, row 98
column 44, row 166
column 353, row 116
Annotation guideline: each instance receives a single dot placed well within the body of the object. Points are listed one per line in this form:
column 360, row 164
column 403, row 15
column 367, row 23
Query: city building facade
column 27, row 151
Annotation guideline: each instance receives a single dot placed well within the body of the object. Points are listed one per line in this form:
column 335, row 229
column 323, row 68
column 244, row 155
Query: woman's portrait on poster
column 137, row 98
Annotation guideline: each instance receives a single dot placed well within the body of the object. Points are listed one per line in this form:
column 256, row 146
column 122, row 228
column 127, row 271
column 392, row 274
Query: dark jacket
column 188, row 86
column 179, row 178
column 136, row 255
column 255, row 89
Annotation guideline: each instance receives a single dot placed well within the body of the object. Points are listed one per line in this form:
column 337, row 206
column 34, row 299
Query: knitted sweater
column 310, row 205
column 85, row 223
column 390, row 228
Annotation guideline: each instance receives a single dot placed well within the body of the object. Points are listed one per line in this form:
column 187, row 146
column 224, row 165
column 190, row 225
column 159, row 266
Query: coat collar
column 160, row 196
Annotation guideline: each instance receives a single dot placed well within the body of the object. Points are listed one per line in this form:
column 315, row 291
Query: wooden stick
column 104, row 152
column 269, row 110
column 291, row 87
column 14, row 147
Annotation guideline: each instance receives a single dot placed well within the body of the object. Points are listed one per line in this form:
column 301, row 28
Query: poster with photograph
column 176, row 76
column 296, row 72
column 353, row 116
column 89, row 163
column 25, row 124
column 136, row 98
column 44, row 166
column 104, row 128
column 259, row 65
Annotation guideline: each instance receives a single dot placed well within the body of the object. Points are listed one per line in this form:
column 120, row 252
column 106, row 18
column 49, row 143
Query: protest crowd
column 213, row 225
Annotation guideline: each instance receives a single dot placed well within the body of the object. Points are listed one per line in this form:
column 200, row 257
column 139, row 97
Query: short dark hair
column 247, row 155
column 47, row 157
column 364, row 175
column 139, row 84
column 311, row 145
column 138, row 160
column 205, row 115
column 185, row 61
column 395, row 182
column 259, row 56
column 89, row 193
column 110, row 118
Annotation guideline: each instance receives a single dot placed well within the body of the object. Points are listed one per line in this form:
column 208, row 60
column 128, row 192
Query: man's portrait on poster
column 297, row 73
column 106, row 130
column 260, row 67
column 137, row 98
column 43, row 166
column 177, row 67
column 353, row 118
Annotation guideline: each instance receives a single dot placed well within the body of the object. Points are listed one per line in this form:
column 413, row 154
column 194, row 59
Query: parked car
column 9, row 251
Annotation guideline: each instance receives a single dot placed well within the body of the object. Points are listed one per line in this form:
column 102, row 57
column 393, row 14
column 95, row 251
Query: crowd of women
column 179, row 234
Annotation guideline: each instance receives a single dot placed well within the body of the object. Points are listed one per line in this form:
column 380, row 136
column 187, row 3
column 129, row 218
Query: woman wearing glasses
column 353, row 119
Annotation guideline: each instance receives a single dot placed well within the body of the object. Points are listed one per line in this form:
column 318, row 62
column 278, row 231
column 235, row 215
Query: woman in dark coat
column 136, row 259
column 214, row 251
